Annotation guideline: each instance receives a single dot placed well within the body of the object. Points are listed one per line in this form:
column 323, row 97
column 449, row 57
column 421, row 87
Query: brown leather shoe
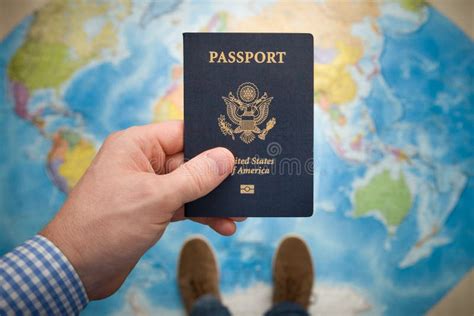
column 293, row 274
column 197, row 271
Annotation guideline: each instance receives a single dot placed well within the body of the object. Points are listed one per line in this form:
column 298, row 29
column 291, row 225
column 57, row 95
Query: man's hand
column 120, row 208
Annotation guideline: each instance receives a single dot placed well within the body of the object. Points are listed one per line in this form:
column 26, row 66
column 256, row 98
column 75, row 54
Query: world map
column 394, row 127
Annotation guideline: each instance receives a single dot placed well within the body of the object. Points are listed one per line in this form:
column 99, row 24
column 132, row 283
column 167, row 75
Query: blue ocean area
column 423, row 94
column 432, row 78
column 434, row 67
column 128, row 88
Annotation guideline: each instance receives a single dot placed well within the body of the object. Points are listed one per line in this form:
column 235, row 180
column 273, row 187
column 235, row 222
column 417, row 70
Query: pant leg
column 209, row 305
column 287, row 309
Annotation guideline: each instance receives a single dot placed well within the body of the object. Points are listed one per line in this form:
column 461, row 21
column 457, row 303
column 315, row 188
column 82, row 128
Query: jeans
column 209, row 305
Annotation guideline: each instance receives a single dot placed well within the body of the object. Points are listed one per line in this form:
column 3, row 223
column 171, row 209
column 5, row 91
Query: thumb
column 200, row 175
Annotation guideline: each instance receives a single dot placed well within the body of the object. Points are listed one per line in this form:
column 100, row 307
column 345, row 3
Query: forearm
column 36, row 278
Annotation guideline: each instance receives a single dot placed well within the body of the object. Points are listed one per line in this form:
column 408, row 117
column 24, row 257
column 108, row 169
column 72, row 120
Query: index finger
column 160, row 138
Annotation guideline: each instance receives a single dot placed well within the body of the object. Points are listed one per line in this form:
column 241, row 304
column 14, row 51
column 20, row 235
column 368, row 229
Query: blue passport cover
column 253, row 94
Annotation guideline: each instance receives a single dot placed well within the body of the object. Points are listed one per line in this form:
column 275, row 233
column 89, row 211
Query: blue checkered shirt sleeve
column 37, row 279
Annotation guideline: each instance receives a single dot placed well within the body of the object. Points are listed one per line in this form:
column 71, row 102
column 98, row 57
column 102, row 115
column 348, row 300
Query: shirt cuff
column 37, row 278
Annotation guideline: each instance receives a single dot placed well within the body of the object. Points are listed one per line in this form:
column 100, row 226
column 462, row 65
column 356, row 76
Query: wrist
column 59, row 235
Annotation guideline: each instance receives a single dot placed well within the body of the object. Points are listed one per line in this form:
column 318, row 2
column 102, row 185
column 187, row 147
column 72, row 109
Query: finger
column 223, row 226
column 197, row 177
column 238, row 219
column 158, row 140
column 179, row 216
column 220, row 225
column 173, row 162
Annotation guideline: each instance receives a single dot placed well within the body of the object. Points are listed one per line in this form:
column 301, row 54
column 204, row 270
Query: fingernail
column 221, row 158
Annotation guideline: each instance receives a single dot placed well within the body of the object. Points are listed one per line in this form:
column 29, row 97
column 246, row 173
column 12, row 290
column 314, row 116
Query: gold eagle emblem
column 248, row 110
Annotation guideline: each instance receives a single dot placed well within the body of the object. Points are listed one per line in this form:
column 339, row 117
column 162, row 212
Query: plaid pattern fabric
column 37, row 279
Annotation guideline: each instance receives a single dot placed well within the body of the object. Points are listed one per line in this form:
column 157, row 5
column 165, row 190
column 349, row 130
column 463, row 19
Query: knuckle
column 113, row 138
column 131, row 130
column 173, row 163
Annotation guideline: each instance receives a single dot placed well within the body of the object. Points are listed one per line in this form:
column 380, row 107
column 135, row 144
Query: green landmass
column 57, row 44
column 71, row 137
column 390, row 197
column 413, row 5
column 39, row 65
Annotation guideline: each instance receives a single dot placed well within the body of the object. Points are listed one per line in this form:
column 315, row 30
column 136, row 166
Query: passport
column 252, row 93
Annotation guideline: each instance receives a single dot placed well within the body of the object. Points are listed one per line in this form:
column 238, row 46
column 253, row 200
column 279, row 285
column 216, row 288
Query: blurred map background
column 394, row 127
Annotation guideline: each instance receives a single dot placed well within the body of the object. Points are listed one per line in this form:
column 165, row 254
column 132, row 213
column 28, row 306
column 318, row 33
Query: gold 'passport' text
column 246, row 57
